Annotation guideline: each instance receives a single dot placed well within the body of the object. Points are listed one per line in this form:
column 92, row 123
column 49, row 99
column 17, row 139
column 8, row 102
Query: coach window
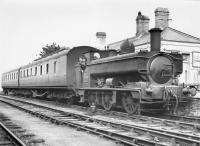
column 27, row 72
column 40, row 69
column 54, row 67
column 35, row 71
column 14, row 76
column 31, row 72
column 24, row 74
column 47, row 68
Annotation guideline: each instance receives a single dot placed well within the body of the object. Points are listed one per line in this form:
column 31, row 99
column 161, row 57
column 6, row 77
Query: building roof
column 168, row 34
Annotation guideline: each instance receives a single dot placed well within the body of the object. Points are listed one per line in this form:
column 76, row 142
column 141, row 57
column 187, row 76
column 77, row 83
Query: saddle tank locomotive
column 135, row 82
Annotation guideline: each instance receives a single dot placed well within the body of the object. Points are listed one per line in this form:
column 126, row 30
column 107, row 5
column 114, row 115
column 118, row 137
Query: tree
column 49, row 49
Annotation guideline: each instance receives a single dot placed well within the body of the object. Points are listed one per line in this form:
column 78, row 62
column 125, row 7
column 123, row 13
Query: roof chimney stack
column 142, row 23
column 161, row 17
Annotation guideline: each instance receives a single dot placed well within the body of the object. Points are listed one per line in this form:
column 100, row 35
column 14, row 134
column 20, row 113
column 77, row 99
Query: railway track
column 188, row 119
column 14, row 135
column 134, row 131
column 8, row 138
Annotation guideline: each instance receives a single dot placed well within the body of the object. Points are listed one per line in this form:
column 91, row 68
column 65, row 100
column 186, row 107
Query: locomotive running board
column 111, row 89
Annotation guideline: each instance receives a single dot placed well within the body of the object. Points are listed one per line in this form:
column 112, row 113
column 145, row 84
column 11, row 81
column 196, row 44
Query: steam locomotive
column 135, row 82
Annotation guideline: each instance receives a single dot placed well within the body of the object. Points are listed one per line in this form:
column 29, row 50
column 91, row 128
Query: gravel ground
column 53, row 135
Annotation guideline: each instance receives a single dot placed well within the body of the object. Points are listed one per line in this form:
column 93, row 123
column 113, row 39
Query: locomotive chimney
column 101, row 40
column 155, row 37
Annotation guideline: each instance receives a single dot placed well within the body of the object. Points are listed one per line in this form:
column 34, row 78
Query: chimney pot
column 142, row 23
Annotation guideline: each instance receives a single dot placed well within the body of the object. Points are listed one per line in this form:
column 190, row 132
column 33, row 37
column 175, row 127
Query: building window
column 40, row 69
column 47, row 68
column 186, row 57
column 54, row 66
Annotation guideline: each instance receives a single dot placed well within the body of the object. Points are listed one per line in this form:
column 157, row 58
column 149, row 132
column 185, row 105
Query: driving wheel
column 130, row 105
column 107, row 102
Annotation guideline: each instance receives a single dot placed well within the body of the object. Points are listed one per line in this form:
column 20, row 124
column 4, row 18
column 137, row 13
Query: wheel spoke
column 107, row 102
column 129, row 105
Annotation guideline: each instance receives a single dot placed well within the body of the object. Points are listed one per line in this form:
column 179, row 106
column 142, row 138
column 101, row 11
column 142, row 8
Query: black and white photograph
column 100, row 73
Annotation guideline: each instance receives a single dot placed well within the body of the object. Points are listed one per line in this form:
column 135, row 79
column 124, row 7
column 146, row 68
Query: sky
column 28, row 25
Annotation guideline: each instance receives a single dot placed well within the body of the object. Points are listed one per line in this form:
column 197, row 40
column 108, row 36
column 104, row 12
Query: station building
column 171, row 40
